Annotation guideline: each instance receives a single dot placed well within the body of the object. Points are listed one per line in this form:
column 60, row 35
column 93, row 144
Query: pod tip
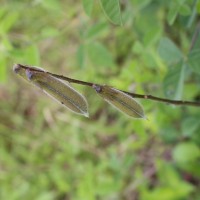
column 86, row 114
column 16, row 68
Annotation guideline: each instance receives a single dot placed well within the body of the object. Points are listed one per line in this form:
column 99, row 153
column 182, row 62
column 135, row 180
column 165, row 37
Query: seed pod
column 120, row 100
column 18, row 69
column 55, row 88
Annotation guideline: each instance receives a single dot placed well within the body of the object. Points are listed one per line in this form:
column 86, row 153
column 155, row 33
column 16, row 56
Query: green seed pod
column 120, row 100
column 55, row 88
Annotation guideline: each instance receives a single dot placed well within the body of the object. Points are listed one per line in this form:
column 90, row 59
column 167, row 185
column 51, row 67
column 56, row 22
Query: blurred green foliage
column 48, row 153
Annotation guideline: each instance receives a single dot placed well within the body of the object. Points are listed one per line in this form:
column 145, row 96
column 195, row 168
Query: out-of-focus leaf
column 49, row 32
column 51, row 5
column 141, row 4
column 85, row 189
column 176, row 7
column 180, row 2
column 169, row 134
column 55, row 88
column 186, row 156
column 2, row 11
column 198, row 6
column 46, row 196
column 6, row 44
column 28, row 54
column 152, row 35
column 88, row 6
column 8, row 21
column 32, row 55
column 186, row 152
column 173, row 12
column 185, row 10
column 95, row 30
column 81, row 56
column 59, row 178
column 138, row 48
column 168, row 51
column 194, row 60
column 174, row 81
column 112, row 10
column 3, row 74
column 121, row 101
column 189, row 126
column 99, row 55
column 171, row 187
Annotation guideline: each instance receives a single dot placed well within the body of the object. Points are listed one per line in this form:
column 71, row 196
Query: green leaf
column 28, row 55
column 99, row 55
column 171, row 186
column 8, row 22
column 180, row 2
column 168, row 51
column 194, row 60
column 81, row 56
column 3, row 72
column 3, row 10
column 86, row 185
column 51, row 5
column 112, row 10
column 186, row 152
column 174, row 81
column 96, row 30
column 48, row 32
column 185, row 10
column 189, row 126
column 6, row 43
column 88, row 6
column 176, row 7
column 173, row 12
column 32, row 55
column 198, row 7
column 152, row 35
column 169, row 134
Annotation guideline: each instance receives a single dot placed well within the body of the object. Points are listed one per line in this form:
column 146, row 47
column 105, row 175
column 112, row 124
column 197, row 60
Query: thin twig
column 134, row 95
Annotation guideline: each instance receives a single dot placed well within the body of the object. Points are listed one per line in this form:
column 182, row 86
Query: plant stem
column 134, row 95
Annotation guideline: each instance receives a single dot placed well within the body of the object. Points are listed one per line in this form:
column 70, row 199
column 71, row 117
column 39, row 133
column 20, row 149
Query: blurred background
column 47, row 152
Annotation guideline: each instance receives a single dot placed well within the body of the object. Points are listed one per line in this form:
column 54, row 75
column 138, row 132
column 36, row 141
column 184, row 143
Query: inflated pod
column 55, row 88
column 120, row 100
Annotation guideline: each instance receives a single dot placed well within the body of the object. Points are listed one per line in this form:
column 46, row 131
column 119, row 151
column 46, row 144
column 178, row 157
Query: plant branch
column 134, row 95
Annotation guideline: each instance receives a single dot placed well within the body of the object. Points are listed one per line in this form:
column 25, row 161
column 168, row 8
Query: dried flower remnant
column 120, row 100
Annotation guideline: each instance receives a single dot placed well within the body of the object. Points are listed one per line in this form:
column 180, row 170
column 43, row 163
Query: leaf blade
column 174, row 81
column 168, row 51
column 88, row 6
column 112, row 10
column 193, row 57
column 99, row 55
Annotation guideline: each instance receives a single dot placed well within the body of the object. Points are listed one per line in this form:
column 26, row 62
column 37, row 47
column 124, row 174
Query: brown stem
column 169, row 101
column 134, row 95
